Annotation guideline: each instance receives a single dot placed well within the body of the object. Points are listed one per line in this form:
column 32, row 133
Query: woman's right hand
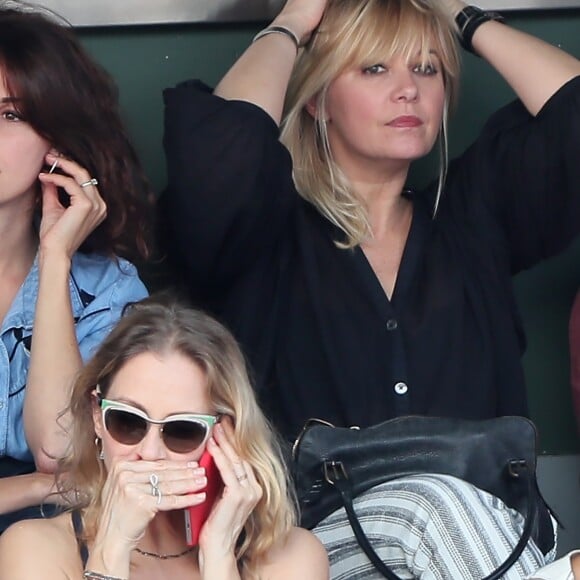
column 301, row 16
column 260, row 76
column 129, row 503
column 64, row 228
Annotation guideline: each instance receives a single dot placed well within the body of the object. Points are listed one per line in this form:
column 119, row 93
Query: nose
column 152, row 447
column 405, row 87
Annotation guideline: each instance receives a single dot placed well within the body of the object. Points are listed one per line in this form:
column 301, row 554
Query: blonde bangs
column 358, row 34
column 381, row 29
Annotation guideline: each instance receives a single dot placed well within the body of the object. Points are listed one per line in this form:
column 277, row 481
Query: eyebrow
column 130, row 403
column 9, row 100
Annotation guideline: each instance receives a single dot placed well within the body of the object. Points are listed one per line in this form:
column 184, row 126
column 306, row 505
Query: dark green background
column 144, row 60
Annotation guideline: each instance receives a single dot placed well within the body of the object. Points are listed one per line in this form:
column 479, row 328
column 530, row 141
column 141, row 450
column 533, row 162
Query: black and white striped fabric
column 433, row 527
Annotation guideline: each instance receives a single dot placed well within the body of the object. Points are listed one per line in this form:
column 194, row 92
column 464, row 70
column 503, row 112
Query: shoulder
column 50, row 540
column 300, row 555
column 111, row 278
column 97, row 268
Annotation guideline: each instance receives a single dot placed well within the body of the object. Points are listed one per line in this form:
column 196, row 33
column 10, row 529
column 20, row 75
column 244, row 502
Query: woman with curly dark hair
column 74, row 205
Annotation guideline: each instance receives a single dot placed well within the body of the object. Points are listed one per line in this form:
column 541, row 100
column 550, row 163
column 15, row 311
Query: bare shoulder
column 302, row 555
column 40, row 548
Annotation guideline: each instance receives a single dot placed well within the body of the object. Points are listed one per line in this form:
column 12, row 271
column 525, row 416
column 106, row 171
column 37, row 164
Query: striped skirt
column 429, row 527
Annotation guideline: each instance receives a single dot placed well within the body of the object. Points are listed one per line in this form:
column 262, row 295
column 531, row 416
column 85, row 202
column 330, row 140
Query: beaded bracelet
column 468, row 21
column 98, row 576
column 274, row 29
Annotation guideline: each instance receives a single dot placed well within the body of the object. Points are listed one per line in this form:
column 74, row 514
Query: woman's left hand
column 66, row 228
column 241, row 494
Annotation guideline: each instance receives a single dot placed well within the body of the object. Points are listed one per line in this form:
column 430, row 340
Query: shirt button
column 401, row 388
column 1, row 404
column 392, row 324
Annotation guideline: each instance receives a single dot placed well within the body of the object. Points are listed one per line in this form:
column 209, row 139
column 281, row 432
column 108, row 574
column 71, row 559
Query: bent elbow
column 45, row 462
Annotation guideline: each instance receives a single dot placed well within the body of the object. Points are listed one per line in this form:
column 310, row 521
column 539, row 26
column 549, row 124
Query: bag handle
column 335, row 474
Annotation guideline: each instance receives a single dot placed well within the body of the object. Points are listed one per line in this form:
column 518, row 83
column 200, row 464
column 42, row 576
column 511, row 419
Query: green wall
column 144, row 60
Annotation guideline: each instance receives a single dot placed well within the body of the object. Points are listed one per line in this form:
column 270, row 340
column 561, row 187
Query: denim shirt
column 99, row 288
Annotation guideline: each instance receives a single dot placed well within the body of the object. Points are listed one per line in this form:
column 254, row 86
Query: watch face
column 471, row 12
column 465, row 15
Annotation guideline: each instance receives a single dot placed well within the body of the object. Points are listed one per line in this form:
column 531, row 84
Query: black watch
column 468, row 21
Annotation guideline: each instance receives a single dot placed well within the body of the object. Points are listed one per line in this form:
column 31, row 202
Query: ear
column 313, row 107
column 97, row 415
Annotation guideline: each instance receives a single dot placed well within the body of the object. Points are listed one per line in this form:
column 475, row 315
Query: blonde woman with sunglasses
column 167, row 385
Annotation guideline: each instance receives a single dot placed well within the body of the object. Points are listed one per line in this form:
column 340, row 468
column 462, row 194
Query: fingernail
column 201, row 497
column 192, row 464
column 200, row 481
column 198, row 471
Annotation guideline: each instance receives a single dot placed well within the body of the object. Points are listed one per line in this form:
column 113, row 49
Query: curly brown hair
column 72, row 102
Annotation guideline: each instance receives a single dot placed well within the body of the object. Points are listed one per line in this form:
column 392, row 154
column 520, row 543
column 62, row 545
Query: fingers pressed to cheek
column 223, row 438
column 227, row 424
column 221, row 461
column 226, row 445
column 231, row 467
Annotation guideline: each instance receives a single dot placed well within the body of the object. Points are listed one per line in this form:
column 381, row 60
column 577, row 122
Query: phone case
column 195, row 516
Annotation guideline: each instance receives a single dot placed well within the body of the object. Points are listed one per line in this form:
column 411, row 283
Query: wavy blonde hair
column 152, row 326
column 358, row 33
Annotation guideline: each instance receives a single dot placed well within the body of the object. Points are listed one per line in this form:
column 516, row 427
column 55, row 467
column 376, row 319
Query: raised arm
column 260, row 76
column 55, row 357
column 533, row 68
column 230, row 192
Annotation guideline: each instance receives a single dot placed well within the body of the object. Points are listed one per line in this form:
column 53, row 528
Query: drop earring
column 99, row 446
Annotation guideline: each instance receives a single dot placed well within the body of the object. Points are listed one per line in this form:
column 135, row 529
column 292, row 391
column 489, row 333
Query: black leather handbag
column 332, row 465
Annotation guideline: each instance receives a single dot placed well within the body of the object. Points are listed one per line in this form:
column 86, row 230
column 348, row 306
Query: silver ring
column 91, row 181
column 155, row 491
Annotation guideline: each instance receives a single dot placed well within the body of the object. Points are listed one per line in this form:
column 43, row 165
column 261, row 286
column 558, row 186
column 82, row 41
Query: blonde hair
column 151, row 326
column 356, row 33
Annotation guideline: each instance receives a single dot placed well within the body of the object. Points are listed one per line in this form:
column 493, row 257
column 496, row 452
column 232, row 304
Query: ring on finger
column 243, row 477
column 91, row 181
column 155, row 491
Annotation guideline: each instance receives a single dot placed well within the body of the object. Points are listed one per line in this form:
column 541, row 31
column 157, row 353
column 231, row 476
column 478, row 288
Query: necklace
column 165, row 556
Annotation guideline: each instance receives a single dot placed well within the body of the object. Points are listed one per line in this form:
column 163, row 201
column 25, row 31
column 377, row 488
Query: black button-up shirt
column 322, row 338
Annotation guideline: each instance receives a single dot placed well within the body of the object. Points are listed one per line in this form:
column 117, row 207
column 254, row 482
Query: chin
column 408, row 151
column 409, row 156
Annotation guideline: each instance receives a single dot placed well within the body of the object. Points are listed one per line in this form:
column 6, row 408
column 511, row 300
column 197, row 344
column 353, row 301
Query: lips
column 405, row 122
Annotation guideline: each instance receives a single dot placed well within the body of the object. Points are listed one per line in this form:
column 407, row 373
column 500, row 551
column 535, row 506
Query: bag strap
column 336, row 475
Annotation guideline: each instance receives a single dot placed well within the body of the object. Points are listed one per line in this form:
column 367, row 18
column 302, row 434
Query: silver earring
column 99, row 446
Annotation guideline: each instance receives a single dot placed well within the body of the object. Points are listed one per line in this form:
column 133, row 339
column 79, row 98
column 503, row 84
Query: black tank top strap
column 77, row 523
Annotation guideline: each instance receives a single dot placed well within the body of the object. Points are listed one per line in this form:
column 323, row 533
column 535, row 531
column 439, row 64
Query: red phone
column 195, row 516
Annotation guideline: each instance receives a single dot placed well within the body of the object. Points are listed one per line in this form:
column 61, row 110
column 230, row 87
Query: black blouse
column 322, row 338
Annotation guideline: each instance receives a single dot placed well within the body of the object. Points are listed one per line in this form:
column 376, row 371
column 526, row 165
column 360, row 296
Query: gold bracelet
column 274, row 29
